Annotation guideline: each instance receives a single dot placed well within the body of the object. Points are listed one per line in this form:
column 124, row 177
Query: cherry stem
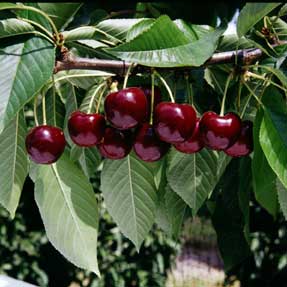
column 166, row 86
column 253, row 94
column 239, row 95
column 101, row 95
column 253, row 75
column 44, row 109
column 189, row 90
column 127, row 76
column 54, row 99
column 152, row 98
column 98, row 88
column 224, row 94
column 35, row 110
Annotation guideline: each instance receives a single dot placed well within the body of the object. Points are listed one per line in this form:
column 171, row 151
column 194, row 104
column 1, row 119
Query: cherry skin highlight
column 115, row 144
column 147, row 146
column 86, row 129
column 174, row 123
column 193, row 144
column 244, row 144
column 127, row 108
column 45, row 144
column 219, row 132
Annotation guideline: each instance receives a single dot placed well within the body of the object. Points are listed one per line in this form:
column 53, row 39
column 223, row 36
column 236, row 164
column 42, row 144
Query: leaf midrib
column 57, row 176
column 132, row 198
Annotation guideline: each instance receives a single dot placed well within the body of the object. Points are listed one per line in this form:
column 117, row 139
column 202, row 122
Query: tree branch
column 244, row 56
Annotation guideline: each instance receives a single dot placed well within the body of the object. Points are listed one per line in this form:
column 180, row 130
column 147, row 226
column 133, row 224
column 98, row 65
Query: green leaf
column 282, row 197
column 273, row 140
column 69, row 210
column 194, row 176
column 165, row 45
column 138, row 28
column 24, row 69
column 264, row 178
column 176, row 209
column 192, row 32
column 115, row 30
column 251, row 14
column 81, row 33
column 13, row 163
column 61, row 13
column 12, row 27
column 244, row 191
column 283, row 11
column 130, row 196
column 231, row 237
column 7, row 5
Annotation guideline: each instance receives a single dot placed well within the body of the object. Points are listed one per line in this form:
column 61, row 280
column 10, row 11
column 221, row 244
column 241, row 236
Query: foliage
column 34, row 36
column 27, row 255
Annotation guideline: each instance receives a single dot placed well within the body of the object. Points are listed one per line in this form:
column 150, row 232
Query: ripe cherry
column 192, row 144
column 157, row 96
column 45, row 144
column 244, row 144
column 127, row 108
column 148, row 146
column 115, row 144
column 173, row 122
column 219, row 132
column 86, row 129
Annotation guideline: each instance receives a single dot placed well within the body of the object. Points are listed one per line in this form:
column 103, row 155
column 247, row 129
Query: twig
column 244, row 57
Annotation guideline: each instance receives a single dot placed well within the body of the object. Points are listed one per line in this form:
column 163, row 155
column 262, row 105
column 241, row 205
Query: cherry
column 115, row 144
column 157, row 96
column 219, row 132
column 244, row 144
column 148, row 146
column 192, row 144
column 173, row 122
column 86, row 129
column 127, row 108
column 45, row 144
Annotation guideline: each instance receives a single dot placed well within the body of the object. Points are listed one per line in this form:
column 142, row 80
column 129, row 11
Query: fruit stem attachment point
column 152, row 98
column 225, row 93
column 127, row 75
column 35, row 110
column 92, row 100
column 166, row 86
column 103, row 85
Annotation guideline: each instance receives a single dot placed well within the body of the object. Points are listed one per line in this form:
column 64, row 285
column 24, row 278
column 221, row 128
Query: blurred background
column 190, row 260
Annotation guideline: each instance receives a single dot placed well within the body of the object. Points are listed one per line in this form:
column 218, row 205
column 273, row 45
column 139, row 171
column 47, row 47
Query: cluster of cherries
column 126, row 126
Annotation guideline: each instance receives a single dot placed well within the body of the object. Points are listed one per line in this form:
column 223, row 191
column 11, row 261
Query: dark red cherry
column 45, row 144
column 244, row 144
column 157, row 96
column 148, row 146
column 115, row 144
column 173, row 122
column 192, row 144
column 86, row 129
column 127, row 108
column 219, row 132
